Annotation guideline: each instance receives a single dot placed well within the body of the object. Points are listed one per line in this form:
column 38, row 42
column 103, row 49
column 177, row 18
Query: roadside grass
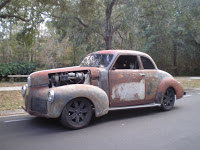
column 10, row 100
column 12, row 84
column 188, row 83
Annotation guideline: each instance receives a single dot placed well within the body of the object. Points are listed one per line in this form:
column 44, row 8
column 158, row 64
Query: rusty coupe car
column 105, row 80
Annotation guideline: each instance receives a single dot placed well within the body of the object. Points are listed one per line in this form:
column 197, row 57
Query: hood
column 42, row 77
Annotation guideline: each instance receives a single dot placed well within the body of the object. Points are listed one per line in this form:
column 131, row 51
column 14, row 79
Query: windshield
column 97, row 60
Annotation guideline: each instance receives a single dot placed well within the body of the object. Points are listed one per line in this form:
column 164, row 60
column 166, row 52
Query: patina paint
column 104, row 88
column 169, row 82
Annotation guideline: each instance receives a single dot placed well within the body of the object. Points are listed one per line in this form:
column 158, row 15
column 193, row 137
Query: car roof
column 134, row 52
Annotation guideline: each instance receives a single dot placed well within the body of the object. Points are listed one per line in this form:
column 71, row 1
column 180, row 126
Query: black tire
column 77, row 114
column 168, row 100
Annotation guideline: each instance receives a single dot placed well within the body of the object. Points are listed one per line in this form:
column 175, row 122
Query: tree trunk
column 108, row 41
column 10, row 39
column 74, row 57
column 2, row 38
column 109, row 29
column 32, row 54
column 175, row 58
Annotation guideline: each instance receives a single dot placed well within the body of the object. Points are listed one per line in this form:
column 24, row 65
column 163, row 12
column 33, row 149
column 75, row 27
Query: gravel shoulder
column 12, row 112
column 16, row 88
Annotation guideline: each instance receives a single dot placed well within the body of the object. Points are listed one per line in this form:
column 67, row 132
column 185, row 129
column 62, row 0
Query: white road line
column 187, row 95
column 24, row 114
column 198, row 93
column 16, row 120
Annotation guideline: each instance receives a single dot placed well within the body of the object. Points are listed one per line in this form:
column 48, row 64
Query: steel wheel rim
column 78, row 112
column 168, row 99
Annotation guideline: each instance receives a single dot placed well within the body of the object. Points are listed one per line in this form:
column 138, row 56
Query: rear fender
column 167, row 83
column 64, row 94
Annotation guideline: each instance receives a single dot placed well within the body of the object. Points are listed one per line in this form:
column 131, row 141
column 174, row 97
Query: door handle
column 142, row 74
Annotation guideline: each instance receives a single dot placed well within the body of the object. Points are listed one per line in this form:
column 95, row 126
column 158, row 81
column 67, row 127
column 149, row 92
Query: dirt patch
column 10, row 100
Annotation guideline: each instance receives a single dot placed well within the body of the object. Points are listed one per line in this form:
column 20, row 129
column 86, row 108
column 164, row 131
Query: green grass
column 188, row 83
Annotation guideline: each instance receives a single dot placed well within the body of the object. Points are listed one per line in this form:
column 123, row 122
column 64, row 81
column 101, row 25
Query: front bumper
column 36, row 103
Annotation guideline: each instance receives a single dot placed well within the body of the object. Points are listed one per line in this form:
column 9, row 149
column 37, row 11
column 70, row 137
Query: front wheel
column 168, row 100
column 76, row 114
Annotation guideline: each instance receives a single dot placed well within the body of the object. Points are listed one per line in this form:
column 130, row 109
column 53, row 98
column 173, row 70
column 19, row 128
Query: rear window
column 147, row 63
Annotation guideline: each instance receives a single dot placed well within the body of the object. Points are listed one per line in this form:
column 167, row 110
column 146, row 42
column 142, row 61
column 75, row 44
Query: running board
column 137, row 106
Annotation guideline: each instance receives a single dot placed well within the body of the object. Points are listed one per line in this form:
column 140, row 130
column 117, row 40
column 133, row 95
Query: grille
column 26, row 102
column 39, row 105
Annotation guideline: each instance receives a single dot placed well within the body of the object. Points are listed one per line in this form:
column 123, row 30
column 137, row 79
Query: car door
column 151, row 79
column 126, row 82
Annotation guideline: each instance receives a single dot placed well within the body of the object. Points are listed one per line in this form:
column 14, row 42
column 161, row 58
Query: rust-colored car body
column 106, row 87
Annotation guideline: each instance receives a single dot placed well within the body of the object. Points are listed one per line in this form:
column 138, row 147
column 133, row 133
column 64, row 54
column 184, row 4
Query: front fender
column 64, row 94
column 167, row 83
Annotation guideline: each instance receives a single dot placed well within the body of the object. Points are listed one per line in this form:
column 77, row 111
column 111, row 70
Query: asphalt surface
column 134, row 129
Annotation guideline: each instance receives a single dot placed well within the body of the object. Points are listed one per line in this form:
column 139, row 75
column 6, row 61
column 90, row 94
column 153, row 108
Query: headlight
column 23, row 90
column 29, row 81
column 51, row 96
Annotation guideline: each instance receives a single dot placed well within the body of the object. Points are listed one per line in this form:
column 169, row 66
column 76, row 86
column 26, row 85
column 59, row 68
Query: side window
column 127, row 62
column 147, row 64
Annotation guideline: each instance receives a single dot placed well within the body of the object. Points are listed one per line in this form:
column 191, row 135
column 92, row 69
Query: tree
column 11, row 9
column 170, row 33
column 168, row 30
column 25, row 16
column 103, row 18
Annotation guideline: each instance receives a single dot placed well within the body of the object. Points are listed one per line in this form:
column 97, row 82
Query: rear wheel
column 168, row 100
column 77, row 114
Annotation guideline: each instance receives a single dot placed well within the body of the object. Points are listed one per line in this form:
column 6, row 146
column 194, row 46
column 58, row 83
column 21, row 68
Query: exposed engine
column 65, row 78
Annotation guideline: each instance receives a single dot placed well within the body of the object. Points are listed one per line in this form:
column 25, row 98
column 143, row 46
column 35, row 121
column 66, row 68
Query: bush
column 16, row 69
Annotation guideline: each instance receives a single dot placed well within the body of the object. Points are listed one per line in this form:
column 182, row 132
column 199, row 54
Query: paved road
column 136, row 129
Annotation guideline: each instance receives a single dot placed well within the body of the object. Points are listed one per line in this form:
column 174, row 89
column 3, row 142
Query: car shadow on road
column 130, row 113
column 54, row 125
column 47, row 123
